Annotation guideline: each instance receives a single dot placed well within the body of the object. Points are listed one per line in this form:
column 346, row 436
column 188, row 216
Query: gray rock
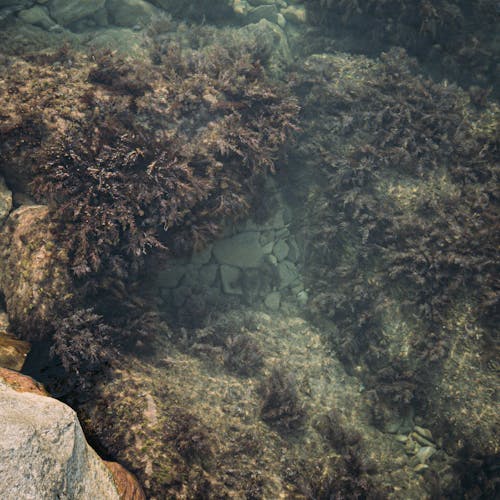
column 38, row 16
column 44, row 452
column 192, row 276
column 66, row 12
column 302, row 297
column 202, row 257
column 282, row 233
column 242, row 250
column 280, row 250
column 130, row 12
column 424, row 453
column 171, row 277
column 268, row 12
column 273, row 300
column 268, row 248
column 230, row 278
column 266, row 237
column 287, row 272
column 208, row 274
column 271, row 259
column 293, row 252
column 5, row 201
column 295, row 14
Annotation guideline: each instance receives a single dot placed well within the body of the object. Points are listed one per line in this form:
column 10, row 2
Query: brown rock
column 12, row 352
column 33, row 271
column 22, row 383
column 126, row 483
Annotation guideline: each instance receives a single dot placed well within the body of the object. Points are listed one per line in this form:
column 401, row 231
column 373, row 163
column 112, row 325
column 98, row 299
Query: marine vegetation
column 455, row 37
column 138, row 157
column 281, row 406
column 403, row 226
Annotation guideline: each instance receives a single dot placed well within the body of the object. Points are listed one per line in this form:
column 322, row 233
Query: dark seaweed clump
column 346, row 470
column 281, row 406
column 408, row 212
column 139, row 158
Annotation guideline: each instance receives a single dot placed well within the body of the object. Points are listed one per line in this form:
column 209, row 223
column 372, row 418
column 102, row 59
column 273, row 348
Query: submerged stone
column 242, row 250
column 230, row 277
column 66, row 12
column 130, row 12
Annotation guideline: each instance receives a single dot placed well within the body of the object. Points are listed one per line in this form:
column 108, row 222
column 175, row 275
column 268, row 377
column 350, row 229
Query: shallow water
column 272, row 268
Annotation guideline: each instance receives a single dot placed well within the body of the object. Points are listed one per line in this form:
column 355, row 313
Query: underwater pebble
column 230, row 277
column 302, row 298
column 267, row 237
column 267, row 249
column 420, row 467
column 293, row 252
column 273, row 300
column 401, row 438
column 271, row 259
column 411, row 447
column 421, row 440
column 280, row 250
column 426, row 433
column 287, row 273
column 424, row 453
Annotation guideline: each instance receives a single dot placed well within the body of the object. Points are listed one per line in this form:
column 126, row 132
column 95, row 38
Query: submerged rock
column 242, row 250
column 69, row 11
column 130, row 12
column 33, row 278
column 44, row 452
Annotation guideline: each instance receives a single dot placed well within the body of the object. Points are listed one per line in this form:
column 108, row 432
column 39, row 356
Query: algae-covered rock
column 38, row 16
column 33, row 278
column 66, row 12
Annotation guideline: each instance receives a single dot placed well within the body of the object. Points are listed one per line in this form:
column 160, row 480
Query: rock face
column 44, row 452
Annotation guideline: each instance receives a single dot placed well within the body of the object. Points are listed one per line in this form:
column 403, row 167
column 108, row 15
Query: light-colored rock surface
column 44, row 452
column 66, row 12
column 5, row 201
